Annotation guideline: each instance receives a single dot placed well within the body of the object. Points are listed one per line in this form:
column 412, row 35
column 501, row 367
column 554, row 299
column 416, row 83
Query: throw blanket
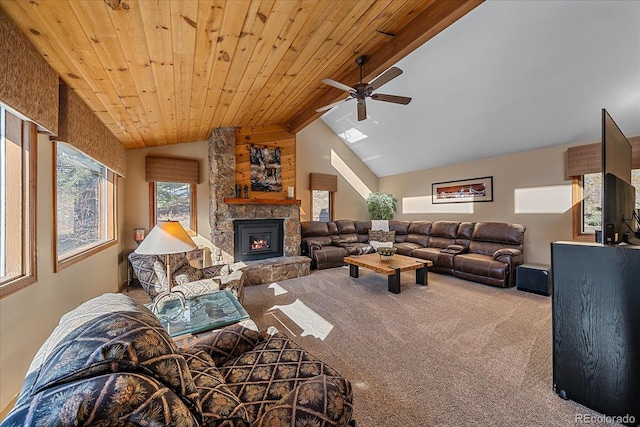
column 380, row 224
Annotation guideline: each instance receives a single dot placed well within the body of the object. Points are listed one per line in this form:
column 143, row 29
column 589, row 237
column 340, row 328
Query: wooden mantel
column 255, row 201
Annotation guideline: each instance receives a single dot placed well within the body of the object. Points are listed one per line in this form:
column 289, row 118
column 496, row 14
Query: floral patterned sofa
column 151, row 272
column 109, row 362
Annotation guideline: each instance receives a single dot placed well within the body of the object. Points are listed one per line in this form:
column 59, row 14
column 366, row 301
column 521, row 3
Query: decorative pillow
column 161, row 273
column 198, row 287
column 375, row 235
column 388, row 236
column 219, row 405
column 188, row 276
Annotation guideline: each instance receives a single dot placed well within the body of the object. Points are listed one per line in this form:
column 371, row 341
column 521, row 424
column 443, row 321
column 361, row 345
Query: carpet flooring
column 453, row 353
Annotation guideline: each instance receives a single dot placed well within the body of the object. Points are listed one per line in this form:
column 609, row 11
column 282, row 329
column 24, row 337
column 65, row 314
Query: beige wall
column 28, row 316
column 136, row 189
column 537, row 177
column 319, row 150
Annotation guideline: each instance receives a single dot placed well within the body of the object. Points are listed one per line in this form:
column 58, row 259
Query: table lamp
column 166, row 238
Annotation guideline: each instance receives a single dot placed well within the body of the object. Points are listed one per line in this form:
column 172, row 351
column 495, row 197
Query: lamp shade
column 167, row 237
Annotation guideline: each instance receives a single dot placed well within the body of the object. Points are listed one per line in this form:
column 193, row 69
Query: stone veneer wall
column 222, row 165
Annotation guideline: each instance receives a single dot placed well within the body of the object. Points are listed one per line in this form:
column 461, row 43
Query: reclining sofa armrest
column 313, row 244
column 513, row 258
column 507, row 252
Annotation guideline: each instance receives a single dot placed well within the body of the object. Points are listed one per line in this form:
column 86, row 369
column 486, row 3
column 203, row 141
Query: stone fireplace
column 225, row 208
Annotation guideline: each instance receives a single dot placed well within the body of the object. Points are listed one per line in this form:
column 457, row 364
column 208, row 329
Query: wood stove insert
column 258, row 239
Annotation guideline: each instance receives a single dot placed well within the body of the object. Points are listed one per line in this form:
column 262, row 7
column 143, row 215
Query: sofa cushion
column 362, row 227
column 228, row 343
column 131, row 341
column 314, row 228
column 405, row 248
column 345, row 226
column 480, row 265
column 401, row 229
column 499, row 232
column 179, row 266
column 418, row 233
column 263, row 376
column 116, row 399
column 447, row 229
column 219, row 405
column 315, row 402
column 436, row 256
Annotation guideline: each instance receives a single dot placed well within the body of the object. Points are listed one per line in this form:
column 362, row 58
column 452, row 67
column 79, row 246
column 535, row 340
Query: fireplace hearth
column 258, row 239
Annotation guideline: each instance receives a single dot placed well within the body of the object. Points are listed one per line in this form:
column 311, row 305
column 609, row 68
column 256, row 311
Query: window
column 17, row 203
column 590, row 196
column 323, row 187
column 85, row 205
column 175, row 201
column 321, row 206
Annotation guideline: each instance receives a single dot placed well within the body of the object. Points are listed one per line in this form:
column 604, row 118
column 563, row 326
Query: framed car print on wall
column 463, row 191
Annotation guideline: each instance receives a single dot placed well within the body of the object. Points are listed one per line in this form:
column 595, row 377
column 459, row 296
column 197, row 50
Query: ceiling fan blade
column 385, row 77
column 330, row 106
column 338, row 85
column 391, row 98
column 362, row 110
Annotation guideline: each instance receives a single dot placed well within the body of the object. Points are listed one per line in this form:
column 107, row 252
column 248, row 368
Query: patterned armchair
column 109, row 362
column 151, row 272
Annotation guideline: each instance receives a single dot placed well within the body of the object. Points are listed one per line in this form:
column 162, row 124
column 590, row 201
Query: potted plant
column 381, row 205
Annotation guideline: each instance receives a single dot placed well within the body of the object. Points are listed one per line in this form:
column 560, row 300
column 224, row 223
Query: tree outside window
column 592, row 200
column 85, row 203
column 175, row 201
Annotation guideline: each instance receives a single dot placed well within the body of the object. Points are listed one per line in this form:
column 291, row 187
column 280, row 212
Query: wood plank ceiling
column 161, row 72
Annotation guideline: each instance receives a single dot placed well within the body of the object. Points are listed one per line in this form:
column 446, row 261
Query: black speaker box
column 534, row 278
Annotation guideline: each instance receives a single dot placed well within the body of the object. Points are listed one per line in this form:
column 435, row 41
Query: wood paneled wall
column 272, row 136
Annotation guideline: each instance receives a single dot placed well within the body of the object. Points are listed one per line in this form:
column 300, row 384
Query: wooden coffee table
column 392, row 268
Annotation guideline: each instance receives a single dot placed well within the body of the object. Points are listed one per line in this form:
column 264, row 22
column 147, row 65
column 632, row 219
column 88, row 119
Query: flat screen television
column 618, row 195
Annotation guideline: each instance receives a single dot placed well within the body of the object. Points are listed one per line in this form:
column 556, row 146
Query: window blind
column 320, row 181
column 80, row 127
column 166, row 169
column 584, row 159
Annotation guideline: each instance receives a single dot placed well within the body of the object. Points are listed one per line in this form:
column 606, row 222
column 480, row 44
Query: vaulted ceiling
column 169, row 71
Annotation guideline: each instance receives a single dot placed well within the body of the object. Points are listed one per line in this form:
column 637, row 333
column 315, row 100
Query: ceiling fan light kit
column 361, row 91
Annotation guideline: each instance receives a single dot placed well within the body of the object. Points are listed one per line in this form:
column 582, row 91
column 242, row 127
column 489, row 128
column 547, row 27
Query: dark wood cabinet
column 596, row 326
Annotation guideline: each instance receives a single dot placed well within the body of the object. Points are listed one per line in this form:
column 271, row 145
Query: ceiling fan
column 361, row 91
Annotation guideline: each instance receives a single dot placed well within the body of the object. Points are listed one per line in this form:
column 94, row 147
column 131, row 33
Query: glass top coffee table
column 203, row 312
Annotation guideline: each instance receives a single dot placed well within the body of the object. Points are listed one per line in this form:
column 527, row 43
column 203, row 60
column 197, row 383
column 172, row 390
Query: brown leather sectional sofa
column 485, row 252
